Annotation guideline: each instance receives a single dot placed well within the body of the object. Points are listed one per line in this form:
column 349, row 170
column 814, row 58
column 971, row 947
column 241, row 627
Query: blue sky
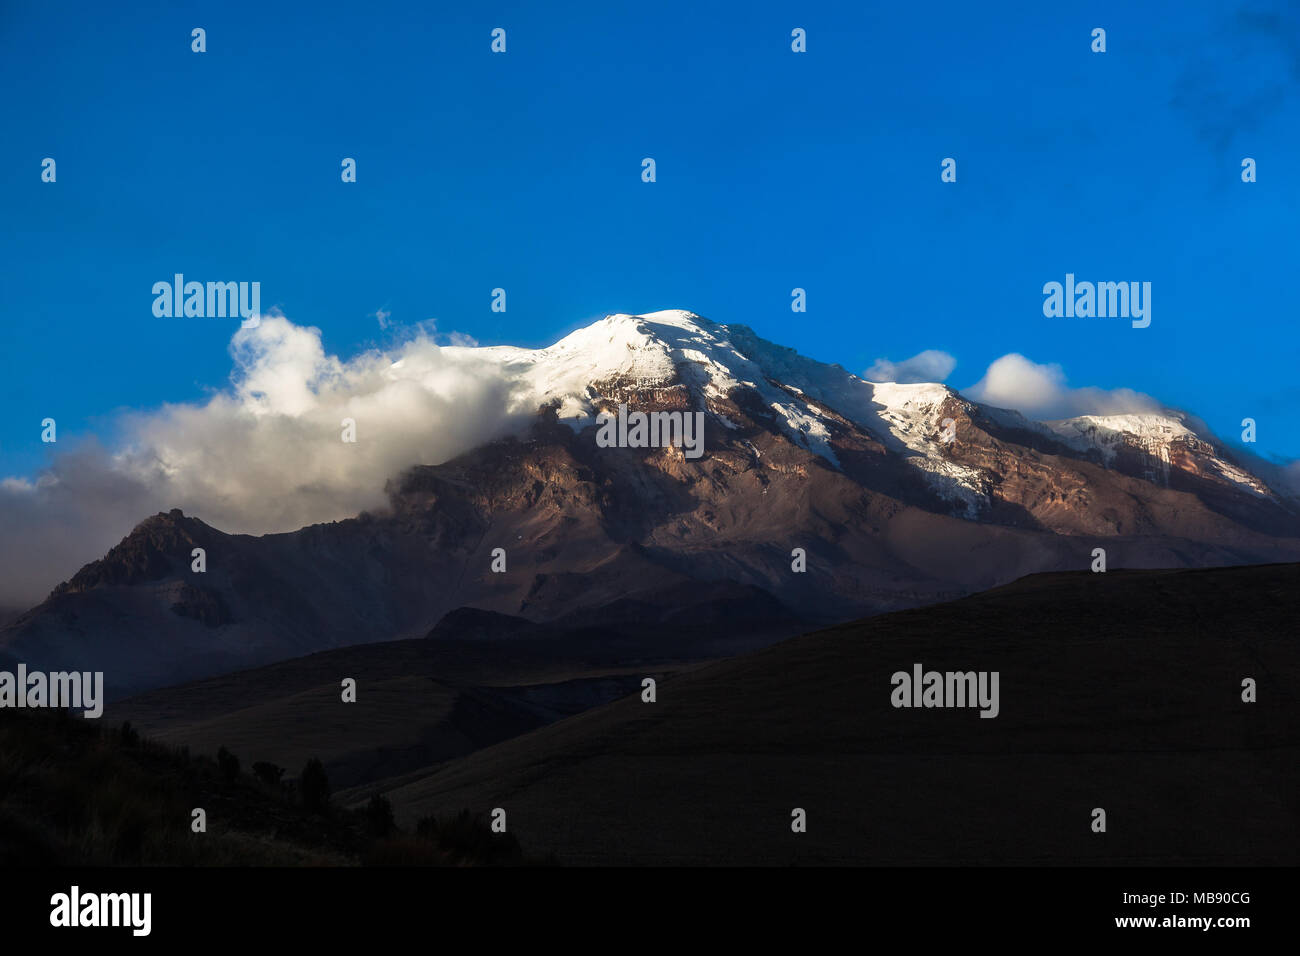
column 775, row 170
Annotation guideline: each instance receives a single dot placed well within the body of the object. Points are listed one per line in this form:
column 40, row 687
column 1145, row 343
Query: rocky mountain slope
column 898, row 495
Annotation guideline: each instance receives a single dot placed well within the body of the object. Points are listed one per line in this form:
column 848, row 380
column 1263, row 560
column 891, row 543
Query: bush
column 268, row 773
column 228, row 764
column 426, row 828
column 401, row 850
column 314, row 786
column 469, row 838
column 379, row 816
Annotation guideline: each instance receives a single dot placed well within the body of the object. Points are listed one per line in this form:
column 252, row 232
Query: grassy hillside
column 1119, row 691
column 80, row 792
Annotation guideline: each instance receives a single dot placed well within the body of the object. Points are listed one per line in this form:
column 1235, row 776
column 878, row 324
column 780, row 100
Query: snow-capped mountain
column 678, row 353
column 819, row 496
column 1157, row 443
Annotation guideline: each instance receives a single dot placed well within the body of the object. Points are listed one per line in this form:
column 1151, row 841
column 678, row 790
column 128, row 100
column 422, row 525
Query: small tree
column 469, row 839
column 268, row 773
column 314, row 786
column 379, row 816
column 228, row 764
column 426, row 828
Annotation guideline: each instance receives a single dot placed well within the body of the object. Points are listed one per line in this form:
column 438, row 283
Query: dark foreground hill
column 477, row 680
column 75, row 792
column 1119, row 691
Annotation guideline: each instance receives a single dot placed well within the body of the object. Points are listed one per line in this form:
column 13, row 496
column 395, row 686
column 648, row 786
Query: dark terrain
column 1119, row 690
column 419, row 702
column 75, row 792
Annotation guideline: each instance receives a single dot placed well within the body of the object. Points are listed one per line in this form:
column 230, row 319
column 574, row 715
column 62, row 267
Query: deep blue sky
column 775, row 170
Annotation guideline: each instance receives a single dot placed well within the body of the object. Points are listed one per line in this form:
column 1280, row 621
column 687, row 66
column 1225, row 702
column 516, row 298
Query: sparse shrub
column 130, row 736
column 268, row 773
column 464, row 839
column 72, row 794
column 399, row 850
column 426, row 828
column 314, row 786
column 127, row 832
column 379, row 816
column 469, row 838
column 228, row 764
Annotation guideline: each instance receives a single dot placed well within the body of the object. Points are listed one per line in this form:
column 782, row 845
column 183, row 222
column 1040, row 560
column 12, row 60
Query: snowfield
column 680, row 348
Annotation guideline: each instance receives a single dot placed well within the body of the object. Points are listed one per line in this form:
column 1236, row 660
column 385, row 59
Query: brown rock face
column 620, row 535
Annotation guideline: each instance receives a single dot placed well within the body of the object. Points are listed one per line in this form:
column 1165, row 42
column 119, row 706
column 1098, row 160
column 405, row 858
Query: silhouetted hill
column 417, row 701
column 77, row 792
column 1120, row 691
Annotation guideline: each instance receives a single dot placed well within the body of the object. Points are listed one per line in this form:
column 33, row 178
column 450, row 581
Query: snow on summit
column 674, row 347
column 1153, row 434
column 679, row 348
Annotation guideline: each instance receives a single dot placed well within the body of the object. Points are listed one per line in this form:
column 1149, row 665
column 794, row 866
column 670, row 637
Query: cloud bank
column 931, row 365
column 1040, row 392
column 264, row 455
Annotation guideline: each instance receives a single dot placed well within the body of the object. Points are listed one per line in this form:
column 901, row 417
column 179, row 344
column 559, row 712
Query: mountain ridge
column 896, row 495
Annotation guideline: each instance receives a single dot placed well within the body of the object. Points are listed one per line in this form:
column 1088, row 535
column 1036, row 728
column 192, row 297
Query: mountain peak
column 681, row 318
column 678, row 359
column 155, row 547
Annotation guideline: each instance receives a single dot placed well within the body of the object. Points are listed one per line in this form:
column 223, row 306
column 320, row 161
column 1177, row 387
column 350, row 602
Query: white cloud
column 264, row 455
column 1041, row 392
column 928, row 366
